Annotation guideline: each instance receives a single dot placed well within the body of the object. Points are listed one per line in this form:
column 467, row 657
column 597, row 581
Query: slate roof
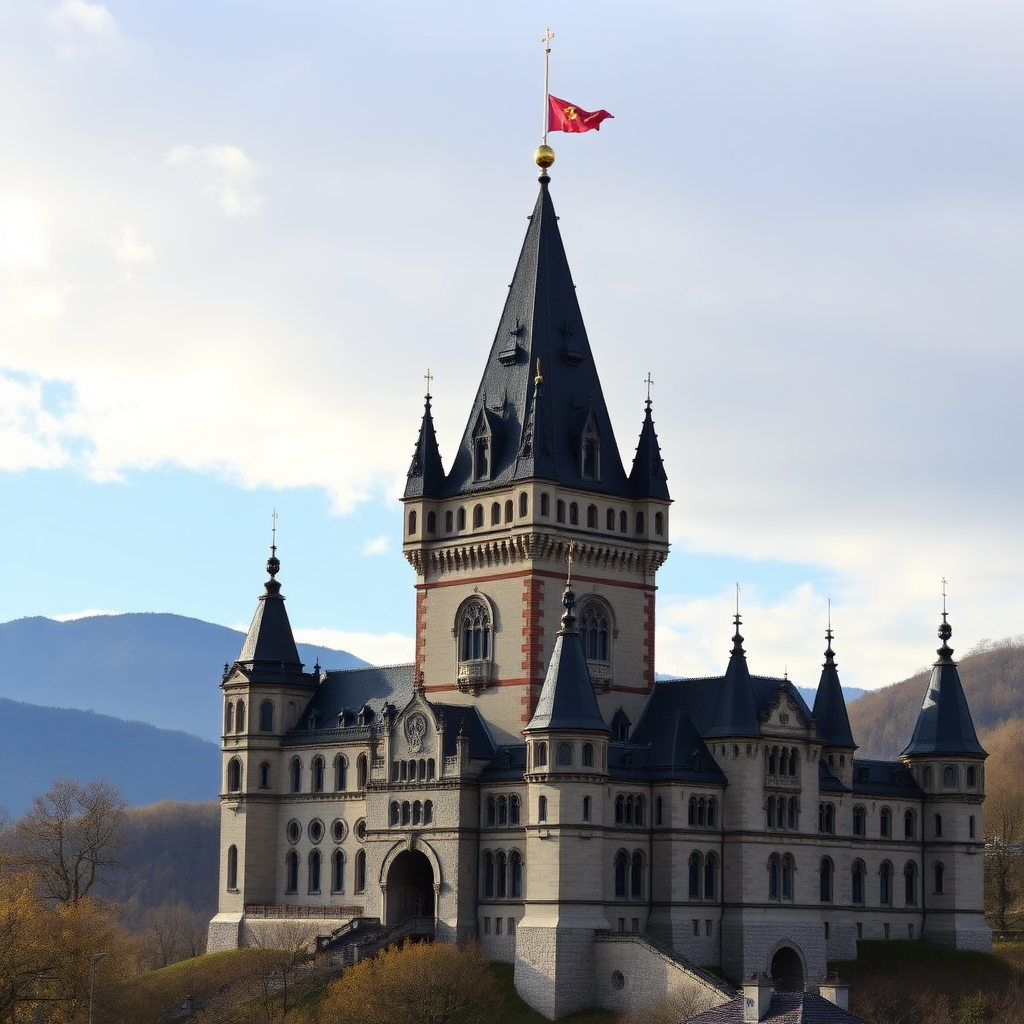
column 648, row 478
column 785, row 1008
column 944, row 725
column 567, row 699
column 735, row 712
column 884, row 778
column 830, row 704
column 346, row 691
column 536, row 419
column 426, row 472
column 467, row 719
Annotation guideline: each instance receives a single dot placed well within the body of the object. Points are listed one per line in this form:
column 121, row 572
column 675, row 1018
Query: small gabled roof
column 343, row 692
column 463, row 719
column 830, row 704
column 944, row 725
column 667, row 744
column 785, row 1008
column 426, row 472
column 736, row 711
column 567, row 699
column 269, row 650
column 647, row 478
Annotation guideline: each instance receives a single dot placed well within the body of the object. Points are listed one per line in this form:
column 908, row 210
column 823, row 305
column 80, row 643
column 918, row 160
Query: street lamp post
column 96, row 957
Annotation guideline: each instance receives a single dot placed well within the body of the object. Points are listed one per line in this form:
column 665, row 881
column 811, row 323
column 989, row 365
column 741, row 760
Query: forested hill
column 993, row 679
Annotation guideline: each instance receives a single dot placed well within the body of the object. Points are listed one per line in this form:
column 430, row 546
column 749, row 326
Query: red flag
column 565, row 117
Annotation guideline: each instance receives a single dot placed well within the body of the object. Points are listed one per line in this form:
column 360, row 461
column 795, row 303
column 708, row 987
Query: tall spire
column 829, row 703
column 426, row 473
column 648, row 478
column 517, row 428
column 944, row 724
column 567, row 699
column 736, row 710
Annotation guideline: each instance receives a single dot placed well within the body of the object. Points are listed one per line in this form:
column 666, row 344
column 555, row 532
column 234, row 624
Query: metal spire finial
column 649, row 380
column 538, row 379
column 428, row 377
column 273, row 562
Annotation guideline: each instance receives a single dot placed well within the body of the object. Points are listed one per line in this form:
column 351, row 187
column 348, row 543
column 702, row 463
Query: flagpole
column 546, row 40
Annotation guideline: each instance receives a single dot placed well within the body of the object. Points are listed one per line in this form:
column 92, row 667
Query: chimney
column 757, row 998
column 835, row 991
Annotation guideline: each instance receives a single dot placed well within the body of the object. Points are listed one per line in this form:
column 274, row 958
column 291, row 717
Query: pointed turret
column 648, row 478
column 426, row 473
column 567, row 699
column 736, row 710
column 516, row 431
column 944, row 724
column 830, row 704
column 269, row 647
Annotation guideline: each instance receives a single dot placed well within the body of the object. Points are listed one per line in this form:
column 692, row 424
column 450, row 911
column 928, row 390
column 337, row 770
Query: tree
column 420, row 983
column 1004, row 822
column 70, row 836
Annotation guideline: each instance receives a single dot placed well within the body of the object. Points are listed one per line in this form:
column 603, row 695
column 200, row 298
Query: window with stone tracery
column 475, row 632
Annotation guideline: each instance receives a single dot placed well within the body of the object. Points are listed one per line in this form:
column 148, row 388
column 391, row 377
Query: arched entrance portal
column 788, row 970
column 410, row 887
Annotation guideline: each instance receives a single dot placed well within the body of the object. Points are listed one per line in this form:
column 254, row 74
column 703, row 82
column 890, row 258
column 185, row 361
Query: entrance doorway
column 788, row 970
column 410, row 891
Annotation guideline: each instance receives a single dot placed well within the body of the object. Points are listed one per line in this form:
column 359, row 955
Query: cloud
column 128, row 251
column 229, row 176
column 377, row 545
column 87, row 30
column 31, row 437
column 22, row 240
column 87, row 613
column 378, row 649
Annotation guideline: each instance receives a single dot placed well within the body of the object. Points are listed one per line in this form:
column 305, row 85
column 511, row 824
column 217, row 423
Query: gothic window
column 972, row 776
column 361, row 772
column 693, row 876
column 395, row 816
column 234, row 775
column 540, row 755
column 621, row 867
column 769, row 817
column 229, row 717
column 295, row 771
column 500, row 876
column 586, row 808
column 291, row 872
column 338, row 871
column 857, row 879
column 264, row 782
column 629, row 809
column 788, row 870
column 266, row 716
column 492, row 811
column 791, row 812
column 240, row 717
column 659, row 523
column 825, row 880
column 860, row 817
column 495, row 514
column 340, row 773
column 636, row 876
column 478, row 516
column 449, row 521
column 949, row 777
column 623, row 521
column 774, row 870
column 360, row 873
column 513, row 810
column 560, row 511
column 910, row 884
column 542, row 808
column 826, row 818
column 926, row 776
column 232, row 868
column 502, row 811
column 524, row 504
column 428, row 812
column 938, row 825
column 639, row 523
column 712, row 812
column 885, row 884
column 609, row 520
column 545, row 505
column 574, row 514
column 461, row 517
column 939, row 873
column 431, row 523
column 591, row 458
column 406, row 812
column 885, row 823
column 412, row 522
column 970, row 827
column 318, row 775
column 592, row 516
column 417, row 812
column 564, row 754
column 315, row 861
column 909, row 825
column 595, row 630
column 588, row 755
column 474, row 632
column 710, row 876
column 515, row 874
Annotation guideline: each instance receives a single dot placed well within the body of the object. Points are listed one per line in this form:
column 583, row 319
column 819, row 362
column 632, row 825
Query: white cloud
column 377, row 545
column 22, row 240
column 30, row 436
column 88, row 30
column 128, row 251
column 88, row 613
column 229, row 174
column 378, row 649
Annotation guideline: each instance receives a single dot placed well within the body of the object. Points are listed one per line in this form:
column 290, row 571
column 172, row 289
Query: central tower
column 537, row 471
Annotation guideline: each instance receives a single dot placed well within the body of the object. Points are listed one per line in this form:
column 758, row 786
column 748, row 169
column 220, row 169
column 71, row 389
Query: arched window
column 621, row 868
column 449, row 521
column 360, row 879
column 295, row 772
column 885, row 884
column 592, row 516
column 712, row 812
column 395, row 816
column 515, row 874
column 234, row 775
column 500, row 877
column 232, row 872
column 636, row 876
column 939, row 873
column 318, row 775
column 508, row 511
column 574, row 514
column 488, row 875
column 267, row 716
column 338, row 871
column 564, row 754
column 710, row 876
column 938, row 825
column 774, row 871
column 910, row 884
column 623, row 521
column 265, row 775
column 694, row 866
column 291, row 872
column 545, row 505
column 639, row 523
column 542, row 808
column 972, row 776
column 860, row 816
column 659, row 523
column 791, row 812
column 909, row 825
column 540, row 755
column 857, row 880
column 949, row 777
column 428, row 811
column 926, row 776
column 475, row 632
column 885, row 823
column 361, row 772
column 229, row 716
column 461, row 517
column 560, row 511
column 588, row 755
column 788, row 871
column 314, row 871
column 594, row 630
column 826, row 818
column 495, row 514
column 586, row 808
column 240, row 716
column 340, row 773
column 502, row 810
column 609, row 520
column 417, row 812
column 492, row 811
column 478, row 516
column 513, row 810
column 524, row 504
column 406, row 812
column 825, row 880
column 412, row 522
column 431, row 523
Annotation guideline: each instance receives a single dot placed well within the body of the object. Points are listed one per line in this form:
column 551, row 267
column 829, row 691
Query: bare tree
column 70, row 836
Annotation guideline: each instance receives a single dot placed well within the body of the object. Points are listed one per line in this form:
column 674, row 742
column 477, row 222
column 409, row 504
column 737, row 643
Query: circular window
column 294, row 831
column 618, row 981
column 339, row 830
column 361, row 829
column 316, row 830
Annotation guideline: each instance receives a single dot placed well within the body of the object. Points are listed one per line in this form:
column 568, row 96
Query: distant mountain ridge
column 147, row 667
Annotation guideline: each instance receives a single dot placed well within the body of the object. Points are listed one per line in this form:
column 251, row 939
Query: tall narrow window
column 545, row 505
column 314, row 871
column 265, row 775
column 540, row 755
column 910, row 884
column 586, row 808
column 574, row 514
column 621, row 868
column 542, row 808
column 500, row 877
column 885, row 823
column 266, row 716
column 495, row 514
column 478, row 516
column 859, row 820
column 292, row 872
column 475, row 630
column 515, row 875
column 361, row 772
column 774, row 870
column 360, row 871
column 710, row 876
column 592, row 517
column 318, row 775
column 524, row 504
column 885, row 883
column 232, row 872
column 940, row 872
column 240, row 717
column 412, row 522
column 636, row 876
column 234, row 775
column 594, row 630
column 857, row 880
column 825, row 880
column 588, row 755
column 340, row 773
column 693, row 876
column 338, row 872
column 560, row 511
column 296, row 775
column 609, row 520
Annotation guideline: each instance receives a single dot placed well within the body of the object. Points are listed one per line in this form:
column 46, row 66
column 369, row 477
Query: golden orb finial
column 544, row 157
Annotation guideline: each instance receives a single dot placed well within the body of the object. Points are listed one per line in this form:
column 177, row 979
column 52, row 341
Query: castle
column 528, row 783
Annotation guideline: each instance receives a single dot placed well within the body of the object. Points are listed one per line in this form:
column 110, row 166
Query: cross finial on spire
column 428, row 377
column 828, row 631
column 273, row 532
column 649, row 380
column 943, row 595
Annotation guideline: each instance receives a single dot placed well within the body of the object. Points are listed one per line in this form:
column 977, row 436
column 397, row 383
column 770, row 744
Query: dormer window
column 483, row 443
column 590, row 449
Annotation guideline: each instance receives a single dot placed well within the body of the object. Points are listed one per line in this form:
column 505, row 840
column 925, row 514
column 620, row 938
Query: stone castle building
column 528, row 783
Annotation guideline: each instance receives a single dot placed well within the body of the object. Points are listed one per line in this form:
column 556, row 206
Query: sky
column 234, row 237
